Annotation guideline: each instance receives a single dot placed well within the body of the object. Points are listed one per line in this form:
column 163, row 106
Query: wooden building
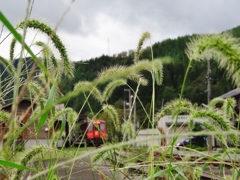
column 24, row 112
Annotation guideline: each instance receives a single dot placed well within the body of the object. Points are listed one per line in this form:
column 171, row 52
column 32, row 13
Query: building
column 235, row 93
column 167, row 126
column 148, row 133
column 23, row 113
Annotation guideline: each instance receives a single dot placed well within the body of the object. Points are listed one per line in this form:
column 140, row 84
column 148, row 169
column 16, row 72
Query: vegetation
column 195, row 87
column 50, row 81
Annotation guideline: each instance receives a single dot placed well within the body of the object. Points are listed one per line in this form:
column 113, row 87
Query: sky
column 91, row 28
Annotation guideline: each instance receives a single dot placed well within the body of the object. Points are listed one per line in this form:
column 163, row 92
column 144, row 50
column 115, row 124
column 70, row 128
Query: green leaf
column 7, row 65
column 13, row 165
column 47, row 108
column 162, row 172
column 235, row 173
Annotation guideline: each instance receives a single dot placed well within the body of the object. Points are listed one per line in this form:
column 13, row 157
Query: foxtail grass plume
column 218, row 122
column 71, row 116
column 12, row 46
column 36, row 89
column 111, row 87
column 213, row 116
column 42, row 27
column 120, row 72
column 223, row 48
column 210, row 127
column 213, row 103
column 145, row 36
column 128, row 129
column 4, row 116
column 59, row 113
column 112, row 112
column 227, row 106
column 97, row 94
column 48, row 56
column 86, row 86
column 174, row 108
column 157, row 71
column 8, row 65
column 25, row 160
column 109, row 155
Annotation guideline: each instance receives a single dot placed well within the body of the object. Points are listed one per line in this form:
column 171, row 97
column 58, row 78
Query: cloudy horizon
column 90, row 28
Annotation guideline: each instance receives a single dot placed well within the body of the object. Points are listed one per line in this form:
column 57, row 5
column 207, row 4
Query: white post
column 129, row 104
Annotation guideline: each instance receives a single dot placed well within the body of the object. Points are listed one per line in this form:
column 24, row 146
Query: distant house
column 234, row 94
column 168, row 125
column 24, row 112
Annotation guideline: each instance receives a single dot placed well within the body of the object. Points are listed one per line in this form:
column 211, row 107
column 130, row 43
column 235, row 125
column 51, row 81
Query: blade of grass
column 210, row 160
column 235, row 173
column 63, row 125
column 47, row 108
column 162, row 172
column 14, row 165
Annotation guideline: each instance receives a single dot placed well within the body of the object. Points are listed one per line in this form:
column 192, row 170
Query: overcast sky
column 92, row 28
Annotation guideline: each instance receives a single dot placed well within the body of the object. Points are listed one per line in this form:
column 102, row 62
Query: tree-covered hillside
column 195, row 89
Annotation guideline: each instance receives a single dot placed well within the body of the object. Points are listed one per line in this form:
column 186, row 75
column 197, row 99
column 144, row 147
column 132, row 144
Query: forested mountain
column 195, row 89
column 7, row 79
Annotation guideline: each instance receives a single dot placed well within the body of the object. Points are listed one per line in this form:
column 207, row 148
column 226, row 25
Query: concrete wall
column 167, row 123
column 168, row 126
column 33, row 142
column 148, row 133
column 47, row 142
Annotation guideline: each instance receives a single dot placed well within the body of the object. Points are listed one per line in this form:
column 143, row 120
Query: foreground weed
column 25, row 160
column 157, row 163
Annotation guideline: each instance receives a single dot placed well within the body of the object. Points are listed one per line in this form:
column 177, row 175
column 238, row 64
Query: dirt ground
column 82, row 170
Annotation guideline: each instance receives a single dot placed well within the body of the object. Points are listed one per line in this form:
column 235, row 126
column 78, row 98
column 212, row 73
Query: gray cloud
column 124, row 20
column 195, row 16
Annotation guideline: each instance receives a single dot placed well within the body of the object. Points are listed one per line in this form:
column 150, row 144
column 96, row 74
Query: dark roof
column 232, row 93
column 10, row 103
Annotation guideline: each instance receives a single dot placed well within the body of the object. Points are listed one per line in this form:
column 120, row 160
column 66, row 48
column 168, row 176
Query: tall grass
column 123, row 160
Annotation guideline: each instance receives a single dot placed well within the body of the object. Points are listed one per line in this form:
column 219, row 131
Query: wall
column 168, row 126
column 148, row 133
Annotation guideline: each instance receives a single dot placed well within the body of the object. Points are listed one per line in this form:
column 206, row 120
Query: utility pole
column 211, row 141
column 129, row 101
column 129, row 107
column 130, row 104
column 208, row 81
column 124, row 109
column 134, row 119
column 135, row 122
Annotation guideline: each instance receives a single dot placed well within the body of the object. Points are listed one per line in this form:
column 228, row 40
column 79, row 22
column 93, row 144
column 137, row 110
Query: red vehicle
column 91, row 132
column 95, row 131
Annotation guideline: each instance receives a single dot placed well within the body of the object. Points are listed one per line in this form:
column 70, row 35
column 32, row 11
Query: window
column 102, row 126
column 187, row 140
column 90, row 126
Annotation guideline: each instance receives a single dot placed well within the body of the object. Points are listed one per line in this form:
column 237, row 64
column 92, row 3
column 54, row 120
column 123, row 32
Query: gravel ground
column 81, row 170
